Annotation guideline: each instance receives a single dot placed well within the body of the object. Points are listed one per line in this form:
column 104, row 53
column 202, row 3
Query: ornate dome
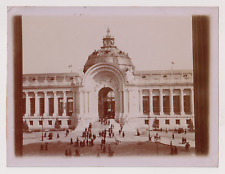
column 109, row 53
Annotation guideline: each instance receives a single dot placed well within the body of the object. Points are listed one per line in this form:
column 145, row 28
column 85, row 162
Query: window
column 69, row 109
column 24, row 106
column 146, row 105
column 51, row 106
column 176, row 104
column 188, row 121
column 40, row 122
column 167, row 121
column 60, row 122
column 69, row 122
column 166, row 104
column 156, row 105
column 42, row 106
column 177, row 121
column 31, row 123
column 60, row 106
column 187, row 104
column 49, row 122
column 32, row 106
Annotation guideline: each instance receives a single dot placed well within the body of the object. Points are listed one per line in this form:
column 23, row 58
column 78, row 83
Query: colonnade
column 46, row 102
column 161, row 94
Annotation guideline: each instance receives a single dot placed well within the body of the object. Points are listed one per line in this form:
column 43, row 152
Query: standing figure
column 66, row 152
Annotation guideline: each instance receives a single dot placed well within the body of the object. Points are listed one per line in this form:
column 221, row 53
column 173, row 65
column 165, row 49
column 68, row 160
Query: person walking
column 66, row 153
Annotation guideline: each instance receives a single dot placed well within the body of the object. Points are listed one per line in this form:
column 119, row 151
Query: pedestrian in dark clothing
column 119, row 132
column 57, row 135
column 173, row 136
column 46, row 146
column 42, row 147
column 71, row 140
column 187, row 146
column 66, row 152
column 94, row 136
column 77, row 152
column 123, row 134
column 92, row 142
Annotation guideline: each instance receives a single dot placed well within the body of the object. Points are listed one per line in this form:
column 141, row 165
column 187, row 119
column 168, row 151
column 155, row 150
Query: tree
column 57, row 124
column 25, row 126
column 190, row 125
column 155, row 124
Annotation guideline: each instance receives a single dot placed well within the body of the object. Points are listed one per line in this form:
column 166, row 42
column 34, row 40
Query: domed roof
column 109, row 54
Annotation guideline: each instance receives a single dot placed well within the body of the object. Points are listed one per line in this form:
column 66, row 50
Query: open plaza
column 129, row 144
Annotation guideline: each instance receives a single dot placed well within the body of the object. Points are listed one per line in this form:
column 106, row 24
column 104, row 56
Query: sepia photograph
column 94, row 86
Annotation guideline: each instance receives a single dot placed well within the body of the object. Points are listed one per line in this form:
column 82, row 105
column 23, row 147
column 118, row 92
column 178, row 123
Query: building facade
column 109, row 88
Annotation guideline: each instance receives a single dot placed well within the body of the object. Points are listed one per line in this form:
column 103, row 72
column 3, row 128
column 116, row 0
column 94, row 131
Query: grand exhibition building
column 109, row 88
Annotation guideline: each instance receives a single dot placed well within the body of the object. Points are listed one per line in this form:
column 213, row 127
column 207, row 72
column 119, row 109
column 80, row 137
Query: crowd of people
column 88, row 138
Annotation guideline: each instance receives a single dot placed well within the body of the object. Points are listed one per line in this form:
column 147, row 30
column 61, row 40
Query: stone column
column 140, row 102
column 81, row 102
column 161, row 101
column 128, row 101
column 46, row 103
column 121, row 100
column 88, row 102
column 151, row 102
column 95, row 102
column 125, row 102
column 171, row 102
column 85, row 102
column 55, row 104
column 74, row 103
column 27, row 104
column 182, row 101
column 192, row 101
column 64, row 103
column 36, row 104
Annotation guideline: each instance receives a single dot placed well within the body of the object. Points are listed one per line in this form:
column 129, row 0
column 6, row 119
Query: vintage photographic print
column 99, row 84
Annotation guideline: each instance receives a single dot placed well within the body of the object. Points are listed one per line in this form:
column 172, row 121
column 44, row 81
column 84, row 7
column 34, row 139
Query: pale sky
column 51, row 44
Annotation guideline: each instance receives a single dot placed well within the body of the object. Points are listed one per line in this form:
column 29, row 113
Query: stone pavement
column 165, row 138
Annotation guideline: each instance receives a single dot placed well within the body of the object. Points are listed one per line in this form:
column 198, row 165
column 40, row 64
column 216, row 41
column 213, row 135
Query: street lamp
column 149, row 136
column 42, row 138
column 157, row 142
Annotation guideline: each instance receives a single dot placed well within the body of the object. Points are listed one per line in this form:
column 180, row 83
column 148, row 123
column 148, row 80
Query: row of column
column 46, row 103
column 171, row 101
column 85, row 102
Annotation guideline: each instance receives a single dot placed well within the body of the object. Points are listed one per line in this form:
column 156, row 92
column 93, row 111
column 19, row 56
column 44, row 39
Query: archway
column 106, row 103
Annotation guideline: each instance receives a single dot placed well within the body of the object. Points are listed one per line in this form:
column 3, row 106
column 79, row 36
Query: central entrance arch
column 100, row 82
column 106, row 103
